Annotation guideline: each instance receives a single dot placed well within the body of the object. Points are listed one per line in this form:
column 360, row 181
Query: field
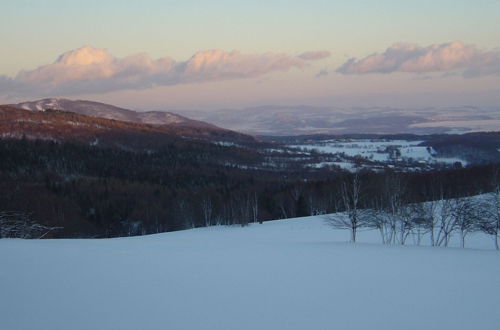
column 286, row 274
column 380, row 151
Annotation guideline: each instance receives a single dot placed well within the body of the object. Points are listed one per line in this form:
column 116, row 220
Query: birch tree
column 353, row 218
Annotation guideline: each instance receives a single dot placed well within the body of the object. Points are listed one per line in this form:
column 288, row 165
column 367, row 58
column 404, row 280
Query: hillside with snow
column 108, row 111
column 286, row 274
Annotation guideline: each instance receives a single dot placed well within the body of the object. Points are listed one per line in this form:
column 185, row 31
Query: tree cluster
column 397, row 216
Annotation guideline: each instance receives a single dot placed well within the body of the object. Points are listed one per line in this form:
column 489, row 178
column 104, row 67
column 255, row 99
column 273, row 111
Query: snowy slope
column 288, row 274
column 108, row 111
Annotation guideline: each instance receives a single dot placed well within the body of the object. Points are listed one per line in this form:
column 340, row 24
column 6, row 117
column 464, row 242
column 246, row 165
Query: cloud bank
column 94, row 70
column 446, row 57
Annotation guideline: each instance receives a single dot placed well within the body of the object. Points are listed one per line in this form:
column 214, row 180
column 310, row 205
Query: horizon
column 262, row 106
column 191, row 55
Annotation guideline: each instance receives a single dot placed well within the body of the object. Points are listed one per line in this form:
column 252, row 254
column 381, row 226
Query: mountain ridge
column 59, row 125
column 291, row 120
column 108, row 111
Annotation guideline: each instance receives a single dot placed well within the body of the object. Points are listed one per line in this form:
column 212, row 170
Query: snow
column 226, row 144
column 374, row 150
column 286, row 274
column 344, row 165
column 379, row 150
column 461, row 125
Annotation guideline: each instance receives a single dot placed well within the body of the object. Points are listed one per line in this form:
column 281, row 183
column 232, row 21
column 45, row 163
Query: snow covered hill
column 286, row 274
column 108, row 111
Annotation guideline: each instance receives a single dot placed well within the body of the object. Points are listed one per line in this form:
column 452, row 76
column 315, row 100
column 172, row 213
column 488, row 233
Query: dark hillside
column 61, row 125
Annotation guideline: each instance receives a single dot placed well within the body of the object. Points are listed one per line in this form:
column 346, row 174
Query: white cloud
column 446, row 57
column 94, row 70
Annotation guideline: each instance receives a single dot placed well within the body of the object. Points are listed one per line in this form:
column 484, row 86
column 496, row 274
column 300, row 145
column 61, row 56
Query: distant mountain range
column 290, row 120
column 304, row 120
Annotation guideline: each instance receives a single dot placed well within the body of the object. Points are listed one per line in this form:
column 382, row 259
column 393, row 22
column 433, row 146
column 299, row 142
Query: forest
column 69, row 189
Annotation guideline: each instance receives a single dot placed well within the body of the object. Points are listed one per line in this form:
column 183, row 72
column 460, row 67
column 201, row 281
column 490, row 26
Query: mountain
column 304, row 120
column 102, row 110
column 69, row 126
column 272, row 120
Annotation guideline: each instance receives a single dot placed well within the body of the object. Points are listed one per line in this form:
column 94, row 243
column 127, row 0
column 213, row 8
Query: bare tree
column 295, row 193
column 241, row 208
column 185, row 214
column 393, row 206
column 406, row 222
column 207, row 210
column 21, row 225
column 254, row 205
column 394, row 225
column 378, row 219
column 315, row 204
column 495, row 223
column 283, row 203
column 354, row 217
column 495, row 207
column 490, row 222
column 219, row 220
column 466, row 216
column 431, row 221
column 422, row 223
column 446, row 222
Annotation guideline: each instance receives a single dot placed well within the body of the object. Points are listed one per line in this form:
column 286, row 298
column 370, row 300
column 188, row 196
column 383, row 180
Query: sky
column 161, row 54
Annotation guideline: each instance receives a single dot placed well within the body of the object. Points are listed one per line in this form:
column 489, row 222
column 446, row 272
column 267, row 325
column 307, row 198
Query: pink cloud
column 446, row 57
column 89, row 63
column 95, row 70
column 219, row 64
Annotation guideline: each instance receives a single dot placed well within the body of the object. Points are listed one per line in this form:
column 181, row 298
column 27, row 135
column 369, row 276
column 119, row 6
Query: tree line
column 89, row 191
column 397, row 217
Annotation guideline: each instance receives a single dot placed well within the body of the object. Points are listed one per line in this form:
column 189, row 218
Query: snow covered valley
column 286, row 274
column 410, row 155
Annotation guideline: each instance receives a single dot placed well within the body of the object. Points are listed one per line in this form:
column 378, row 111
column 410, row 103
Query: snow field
column 377, row 150
column 285, row 274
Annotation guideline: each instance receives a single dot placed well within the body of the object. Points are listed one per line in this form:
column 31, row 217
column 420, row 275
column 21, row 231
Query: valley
column 250, row 165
